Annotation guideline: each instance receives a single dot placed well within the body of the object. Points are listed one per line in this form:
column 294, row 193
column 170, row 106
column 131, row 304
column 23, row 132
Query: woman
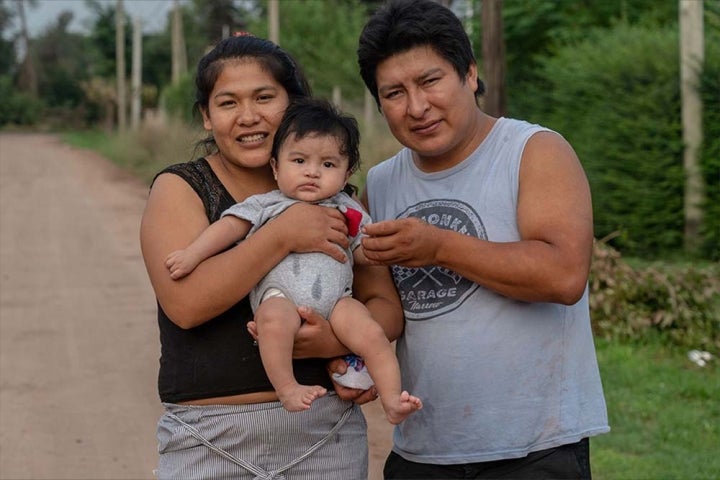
column 222, row 418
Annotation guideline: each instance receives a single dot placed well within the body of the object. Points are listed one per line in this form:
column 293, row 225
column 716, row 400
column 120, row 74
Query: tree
column 330, row 61
column 27, row 79
column 8, row 62
column 493, row 58
column 692, row 53
column 63, row 63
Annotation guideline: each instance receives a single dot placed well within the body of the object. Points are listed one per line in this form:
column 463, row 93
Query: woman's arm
column 174, row 216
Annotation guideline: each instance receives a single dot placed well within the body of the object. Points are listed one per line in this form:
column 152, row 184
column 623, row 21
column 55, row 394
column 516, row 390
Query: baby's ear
column 273, row 165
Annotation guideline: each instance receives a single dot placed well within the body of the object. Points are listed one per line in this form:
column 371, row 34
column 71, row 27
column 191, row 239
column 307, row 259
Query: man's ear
column 472, row 77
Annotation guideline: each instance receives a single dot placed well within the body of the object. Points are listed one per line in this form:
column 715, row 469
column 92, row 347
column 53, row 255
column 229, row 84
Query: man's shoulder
column 389, row 164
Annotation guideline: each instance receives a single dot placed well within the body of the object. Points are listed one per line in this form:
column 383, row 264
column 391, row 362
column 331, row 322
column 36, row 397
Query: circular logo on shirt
column 430, row 291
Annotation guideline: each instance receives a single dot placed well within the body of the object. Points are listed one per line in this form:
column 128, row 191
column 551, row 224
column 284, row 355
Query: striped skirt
column 263, row 441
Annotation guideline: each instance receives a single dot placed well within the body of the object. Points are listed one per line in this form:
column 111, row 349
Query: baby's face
column 311, row 168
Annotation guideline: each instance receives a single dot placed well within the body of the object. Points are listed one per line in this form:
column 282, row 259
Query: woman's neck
column 242, row 182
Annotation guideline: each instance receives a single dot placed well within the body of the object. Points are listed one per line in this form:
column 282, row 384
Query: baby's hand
column 180, row 263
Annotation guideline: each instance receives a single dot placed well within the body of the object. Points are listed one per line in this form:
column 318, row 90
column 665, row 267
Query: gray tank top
column 499, row 378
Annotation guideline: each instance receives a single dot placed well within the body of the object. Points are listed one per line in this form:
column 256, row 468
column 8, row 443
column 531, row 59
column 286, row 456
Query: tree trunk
column 691, row 63
column 179, row 55
column 136, row 84
column 493, row 58
column 274, row 21
column 120, row 65
column 27, row 80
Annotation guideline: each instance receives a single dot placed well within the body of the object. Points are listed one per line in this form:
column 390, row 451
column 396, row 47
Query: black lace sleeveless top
column 217, row 358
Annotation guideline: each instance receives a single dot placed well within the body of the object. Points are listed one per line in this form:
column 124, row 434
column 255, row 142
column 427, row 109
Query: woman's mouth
column 256, row 137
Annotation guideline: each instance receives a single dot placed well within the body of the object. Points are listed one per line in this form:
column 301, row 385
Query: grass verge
column 664, row 414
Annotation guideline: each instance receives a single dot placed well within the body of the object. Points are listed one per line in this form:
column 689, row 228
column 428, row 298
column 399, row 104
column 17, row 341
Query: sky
column 152, row 13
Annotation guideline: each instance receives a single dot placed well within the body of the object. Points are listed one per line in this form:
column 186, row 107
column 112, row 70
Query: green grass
column 664, row 414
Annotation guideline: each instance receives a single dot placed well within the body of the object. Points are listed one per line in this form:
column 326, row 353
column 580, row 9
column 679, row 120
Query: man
column 487, row 224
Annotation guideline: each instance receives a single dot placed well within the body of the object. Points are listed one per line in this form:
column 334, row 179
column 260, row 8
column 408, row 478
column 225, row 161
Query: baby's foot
column 398, row 409
column 296, row 398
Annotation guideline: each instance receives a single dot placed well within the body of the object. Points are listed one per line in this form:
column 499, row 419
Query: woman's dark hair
column 271, row 57
column 312, row 116
column 400, row 25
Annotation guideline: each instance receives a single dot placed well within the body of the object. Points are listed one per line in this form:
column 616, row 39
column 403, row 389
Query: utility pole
column 120, row 65
column 179, row 55
column 136, row 85
column 692, row 55
column 274, row 21
column 493, row 58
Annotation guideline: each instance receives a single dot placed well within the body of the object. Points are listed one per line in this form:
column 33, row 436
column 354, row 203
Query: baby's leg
column 277, row 323
column 356, row 329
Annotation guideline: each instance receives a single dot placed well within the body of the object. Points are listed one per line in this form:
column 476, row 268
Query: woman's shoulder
column 193, row 172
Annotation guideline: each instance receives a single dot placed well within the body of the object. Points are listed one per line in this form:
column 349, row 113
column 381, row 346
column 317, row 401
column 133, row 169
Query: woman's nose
column 247, row 115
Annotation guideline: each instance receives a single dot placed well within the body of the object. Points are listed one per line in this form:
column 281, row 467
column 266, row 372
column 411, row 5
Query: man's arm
column 551, row 261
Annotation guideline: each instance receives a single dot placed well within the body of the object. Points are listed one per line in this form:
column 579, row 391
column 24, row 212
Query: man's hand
column 409, row 242
column 338, row 365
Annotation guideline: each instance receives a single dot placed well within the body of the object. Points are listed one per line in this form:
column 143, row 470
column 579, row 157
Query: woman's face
column 244, row 110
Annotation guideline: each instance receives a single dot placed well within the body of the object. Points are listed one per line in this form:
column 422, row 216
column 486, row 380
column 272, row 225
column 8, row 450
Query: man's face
column 428, row 107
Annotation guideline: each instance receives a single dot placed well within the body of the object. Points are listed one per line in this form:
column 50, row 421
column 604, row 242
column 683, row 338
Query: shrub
column 678, row 304
column 18, row 108
column 178, row 99
column 620, row 108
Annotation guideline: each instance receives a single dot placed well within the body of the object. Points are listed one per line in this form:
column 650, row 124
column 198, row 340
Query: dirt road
column 78, row 339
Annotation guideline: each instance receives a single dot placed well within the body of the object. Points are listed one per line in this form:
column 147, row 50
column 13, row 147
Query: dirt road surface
column 78, row 337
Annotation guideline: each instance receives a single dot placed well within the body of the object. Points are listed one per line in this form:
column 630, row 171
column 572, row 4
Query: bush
column 178, row 99
column 620, row 109
column 680, row 305
column 18, row 108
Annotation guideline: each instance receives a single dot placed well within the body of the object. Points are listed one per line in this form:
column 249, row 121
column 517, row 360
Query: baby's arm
column 214, row 239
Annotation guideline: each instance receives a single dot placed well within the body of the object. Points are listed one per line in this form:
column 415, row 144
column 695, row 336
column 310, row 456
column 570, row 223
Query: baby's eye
column 298, row 160
column 329, row 165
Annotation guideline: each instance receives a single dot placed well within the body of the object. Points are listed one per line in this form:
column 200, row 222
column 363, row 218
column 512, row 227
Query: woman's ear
column 207, row 124
column 273, row 164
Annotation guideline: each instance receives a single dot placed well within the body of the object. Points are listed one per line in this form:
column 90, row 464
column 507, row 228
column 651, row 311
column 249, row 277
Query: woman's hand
column 311, row 228
column 314, row 339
